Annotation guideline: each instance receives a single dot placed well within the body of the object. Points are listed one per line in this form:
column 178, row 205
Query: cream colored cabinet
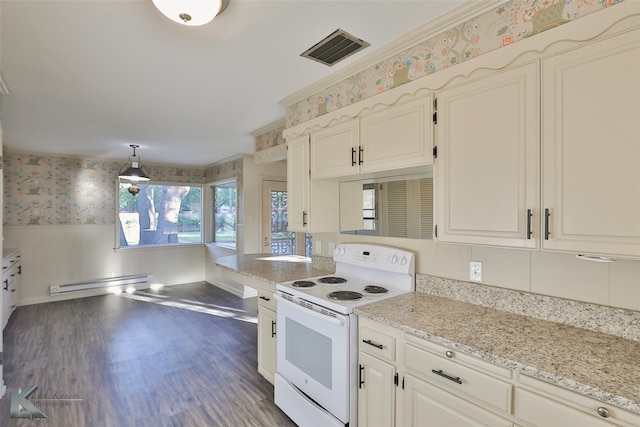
column 488, row 160
column 425, row 405
column 11, row 272
column 376, row 393
column 377, row 374
column 266, row 335
column 334, row 150
column 312, row 206
column 390, row 138
column 591, row 147
column 541, row 404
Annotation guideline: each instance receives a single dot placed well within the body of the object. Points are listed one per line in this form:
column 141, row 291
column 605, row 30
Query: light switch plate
column 318, row 247
column 475, row 271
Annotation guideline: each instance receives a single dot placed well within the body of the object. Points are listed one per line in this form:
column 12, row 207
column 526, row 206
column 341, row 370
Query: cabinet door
column 298, row 183
column 334, row 151
column 591, row 148
column 376, row 395
column 266, row 342
column 488, row 160
column 398, row 137
column 425, row 405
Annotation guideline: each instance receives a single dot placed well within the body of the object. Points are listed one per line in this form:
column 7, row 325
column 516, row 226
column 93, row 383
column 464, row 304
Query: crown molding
column 470, row 9
column 280, row 123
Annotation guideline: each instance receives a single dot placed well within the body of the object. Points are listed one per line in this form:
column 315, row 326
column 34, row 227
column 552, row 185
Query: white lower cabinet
column 11, row 272
column 266, row 335
column 538, row 403
column 424, row 405
column 407, row 381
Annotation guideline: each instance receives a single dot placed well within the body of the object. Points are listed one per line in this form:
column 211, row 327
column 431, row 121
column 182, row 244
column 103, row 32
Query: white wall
column 554, row 274
column 54, row 255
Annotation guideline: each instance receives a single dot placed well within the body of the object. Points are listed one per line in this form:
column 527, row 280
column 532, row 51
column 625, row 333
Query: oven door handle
column 328, row 319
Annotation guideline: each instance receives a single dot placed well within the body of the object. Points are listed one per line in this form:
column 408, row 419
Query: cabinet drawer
column 539, row 403
column 266, row 299
column 458, row 378
column 377, row 343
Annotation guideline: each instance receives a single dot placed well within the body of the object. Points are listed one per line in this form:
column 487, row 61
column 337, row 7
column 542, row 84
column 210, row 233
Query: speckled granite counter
column 594, row 364
column 268, row 269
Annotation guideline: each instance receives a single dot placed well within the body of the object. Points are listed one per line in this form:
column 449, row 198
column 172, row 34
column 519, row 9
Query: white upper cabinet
column 390, row 138
column 312, row 206
column 334, row 150
column 397, row 137
column 591, row 148
column 488, row 160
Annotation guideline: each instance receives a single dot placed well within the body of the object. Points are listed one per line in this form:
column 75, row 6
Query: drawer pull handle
column 449, row 354
column 380, row 346
column 603, row 412
column 449, row 377
column 265, row 298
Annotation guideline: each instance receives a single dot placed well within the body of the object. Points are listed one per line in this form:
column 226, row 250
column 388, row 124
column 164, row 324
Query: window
column 225, row 203
column 159, row 215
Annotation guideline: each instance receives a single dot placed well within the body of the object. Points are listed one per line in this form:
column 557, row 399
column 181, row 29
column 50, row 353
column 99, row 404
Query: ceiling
column 88, row 78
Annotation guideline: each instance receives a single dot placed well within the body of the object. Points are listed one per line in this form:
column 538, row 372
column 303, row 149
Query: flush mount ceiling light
column 133, row 172
column 191, row 12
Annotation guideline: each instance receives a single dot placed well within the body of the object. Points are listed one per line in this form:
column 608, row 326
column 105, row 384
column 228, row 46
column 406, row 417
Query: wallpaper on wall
column 269, row 139
column 52, row 190
column 515, row 20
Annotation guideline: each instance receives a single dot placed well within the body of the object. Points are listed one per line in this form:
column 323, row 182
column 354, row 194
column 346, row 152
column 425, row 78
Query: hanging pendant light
column 190, row 12
column 133, row 172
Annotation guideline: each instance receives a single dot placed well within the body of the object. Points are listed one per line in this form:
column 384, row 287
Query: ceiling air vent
column 335, row 47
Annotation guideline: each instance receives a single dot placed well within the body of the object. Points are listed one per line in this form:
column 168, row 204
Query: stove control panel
column 375, row 257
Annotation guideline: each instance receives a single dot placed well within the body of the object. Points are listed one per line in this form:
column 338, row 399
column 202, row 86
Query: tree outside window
column 160, row 215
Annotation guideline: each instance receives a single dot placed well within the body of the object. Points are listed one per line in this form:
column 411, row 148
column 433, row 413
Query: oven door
column 313, row 355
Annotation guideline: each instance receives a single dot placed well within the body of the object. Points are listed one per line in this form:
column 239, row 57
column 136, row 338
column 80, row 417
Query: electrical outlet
column 475, row 271
column 331, row 247
column 318, row 245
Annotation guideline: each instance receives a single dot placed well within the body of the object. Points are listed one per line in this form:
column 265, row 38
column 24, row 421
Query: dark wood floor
column 182, row 356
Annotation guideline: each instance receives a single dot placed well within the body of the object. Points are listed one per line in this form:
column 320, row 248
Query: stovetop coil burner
column 333, row 280
column 375, row 289
column 344, row 295
column 303, row 284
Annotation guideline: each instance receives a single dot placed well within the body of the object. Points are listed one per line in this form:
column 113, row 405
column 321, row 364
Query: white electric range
column 316, row 379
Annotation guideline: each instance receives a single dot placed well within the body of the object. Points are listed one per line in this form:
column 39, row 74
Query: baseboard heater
column 141, row 281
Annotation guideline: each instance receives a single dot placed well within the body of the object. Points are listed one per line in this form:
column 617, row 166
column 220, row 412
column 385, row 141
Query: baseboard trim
column 246, row 292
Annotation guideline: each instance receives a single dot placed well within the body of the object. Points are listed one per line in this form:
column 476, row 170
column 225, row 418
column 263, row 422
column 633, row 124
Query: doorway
column 275, row 237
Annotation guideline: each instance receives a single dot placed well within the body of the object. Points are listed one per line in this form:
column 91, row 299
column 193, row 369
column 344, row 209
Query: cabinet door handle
column 529, row 231
column 449, row 377
column 360, row 154
column 19, row 269
column 6, row 284
column 371, row 343
column 360, row 377
column 304, row 218
column 353, row 156
column 547, row 214
column 273, row 328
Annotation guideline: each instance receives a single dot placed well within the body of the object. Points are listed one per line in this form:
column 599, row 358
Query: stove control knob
column 341, row 251
column 403, row 261
column 336, row 252
column 394, row 259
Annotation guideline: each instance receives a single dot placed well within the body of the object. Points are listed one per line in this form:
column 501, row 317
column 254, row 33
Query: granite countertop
column 594, row 364
column 270, row 268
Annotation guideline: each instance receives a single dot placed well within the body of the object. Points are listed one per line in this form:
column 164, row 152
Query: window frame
column 203, row 208
column 212, row 217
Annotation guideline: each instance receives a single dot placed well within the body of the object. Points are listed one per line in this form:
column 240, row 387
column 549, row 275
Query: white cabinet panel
column 488, row 157
column 591, row 147
column 312, row 206
column 334, row 150
column 376, row 395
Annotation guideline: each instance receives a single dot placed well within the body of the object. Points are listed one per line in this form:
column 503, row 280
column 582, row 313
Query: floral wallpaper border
column 513, row 21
